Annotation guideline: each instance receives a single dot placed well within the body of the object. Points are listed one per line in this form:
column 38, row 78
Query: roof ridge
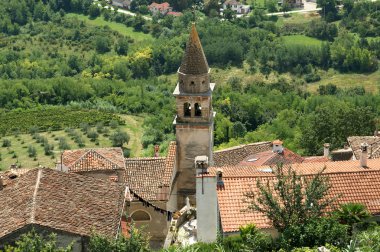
column 144, row 158
column 242, row 146
column 33, row 210
column 92, row 151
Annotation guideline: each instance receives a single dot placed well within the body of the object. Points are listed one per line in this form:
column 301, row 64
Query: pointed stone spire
column 194, row 61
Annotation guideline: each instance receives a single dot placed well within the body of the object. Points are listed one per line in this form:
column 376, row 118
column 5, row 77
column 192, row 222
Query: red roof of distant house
column 174, row 13
column 162, row 6
column 272, row 158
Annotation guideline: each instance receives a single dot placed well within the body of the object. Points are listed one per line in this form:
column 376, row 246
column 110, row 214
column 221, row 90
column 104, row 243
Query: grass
column 20, row 143
column 302, row 40
column 297, row 18
column 371, row 82
column 121, row 28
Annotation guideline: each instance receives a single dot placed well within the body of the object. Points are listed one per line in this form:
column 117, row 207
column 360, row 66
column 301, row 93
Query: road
column 126, row 12
column 308, row 7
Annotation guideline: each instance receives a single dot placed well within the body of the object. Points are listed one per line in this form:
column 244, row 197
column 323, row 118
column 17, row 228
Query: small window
column 187, row 109
column 198, row 109
column 140, row 215
column 192, row 83
column 203, row 82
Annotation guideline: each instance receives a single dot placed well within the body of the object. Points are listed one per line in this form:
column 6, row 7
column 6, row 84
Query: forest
column 48, row 57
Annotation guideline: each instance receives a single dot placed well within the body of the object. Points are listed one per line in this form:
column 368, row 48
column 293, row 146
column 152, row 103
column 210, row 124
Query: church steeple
column 194, row 60
column 194, row 121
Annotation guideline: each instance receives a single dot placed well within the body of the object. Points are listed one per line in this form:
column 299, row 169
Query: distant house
column 292, row 3
column 70, row 205
column 163, row 8
column 237, row 6
column 126, row 4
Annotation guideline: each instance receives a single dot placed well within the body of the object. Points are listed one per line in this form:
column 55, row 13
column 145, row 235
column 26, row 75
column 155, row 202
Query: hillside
column 277, row 77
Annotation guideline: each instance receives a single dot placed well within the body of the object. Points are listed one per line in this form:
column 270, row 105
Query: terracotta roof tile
column 93, row 159
column 347, row 178
column 235, row 155
column 148, row 176
column 63, row 201
column 272, row 158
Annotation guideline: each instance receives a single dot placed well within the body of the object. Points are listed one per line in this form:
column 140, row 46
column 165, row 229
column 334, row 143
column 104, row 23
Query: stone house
column 236, row 6
column 126, row 4
column 70, row 205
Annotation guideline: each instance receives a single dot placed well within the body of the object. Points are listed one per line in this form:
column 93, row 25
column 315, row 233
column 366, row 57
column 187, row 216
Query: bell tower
column 194, row 121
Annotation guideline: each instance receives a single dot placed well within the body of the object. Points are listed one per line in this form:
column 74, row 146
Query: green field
column 17, row 153
column 302, row 40
column 121, row 28
column 371, row 82
column 297, row 18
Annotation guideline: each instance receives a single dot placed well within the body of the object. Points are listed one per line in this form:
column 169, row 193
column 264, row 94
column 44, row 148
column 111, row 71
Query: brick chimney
column 326, row 150
column 156, row 150
column 277, row 146
column 364, row 155
column 219, row 179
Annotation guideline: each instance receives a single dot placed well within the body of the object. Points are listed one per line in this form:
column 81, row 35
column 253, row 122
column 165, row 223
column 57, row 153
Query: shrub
column 118, row 138
column 6, row 143
column 315, row 232
column 92, row 135
column 100, row 127
column 33, row 130
column 62, row 144
column 32, row 151
column 254, row 240
column 114, row 124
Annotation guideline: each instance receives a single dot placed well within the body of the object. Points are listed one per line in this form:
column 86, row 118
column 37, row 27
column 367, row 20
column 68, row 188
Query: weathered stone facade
column 195, row 118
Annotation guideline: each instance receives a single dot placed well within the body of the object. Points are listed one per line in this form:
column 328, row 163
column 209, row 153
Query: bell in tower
column 194, row 121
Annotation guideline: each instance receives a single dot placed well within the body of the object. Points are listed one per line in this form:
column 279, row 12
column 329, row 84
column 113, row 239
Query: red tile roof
column 235, row 155
column 272, row 158
column 348, row 179
column 162, row 6
column 63, row 201
column 147, row 176
column 93, row 159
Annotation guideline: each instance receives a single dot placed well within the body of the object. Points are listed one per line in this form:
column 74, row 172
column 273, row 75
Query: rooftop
column 63, row 201
column 372, row 141
column 93, row 159
column 148, row 176
column 347, row 178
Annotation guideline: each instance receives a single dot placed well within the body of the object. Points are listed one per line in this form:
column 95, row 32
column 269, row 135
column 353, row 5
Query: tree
column 32, row 151
column 118, row 138
column 94, row 11
column 121, row 46
column 6, row 143
column 290, row 199
column 33, row 242
column 228, row 13
column 138, row 241
column 102, row 44
column 352, row 214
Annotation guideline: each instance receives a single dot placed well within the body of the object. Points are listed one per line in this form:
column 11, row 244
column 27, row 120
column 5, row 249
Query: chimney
column 364, row 155
column 156, row 150
column 206, row 202
column 326, row 150
column 277, row 146
column 1, row 183
column 219, row 179
column 201, row 164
